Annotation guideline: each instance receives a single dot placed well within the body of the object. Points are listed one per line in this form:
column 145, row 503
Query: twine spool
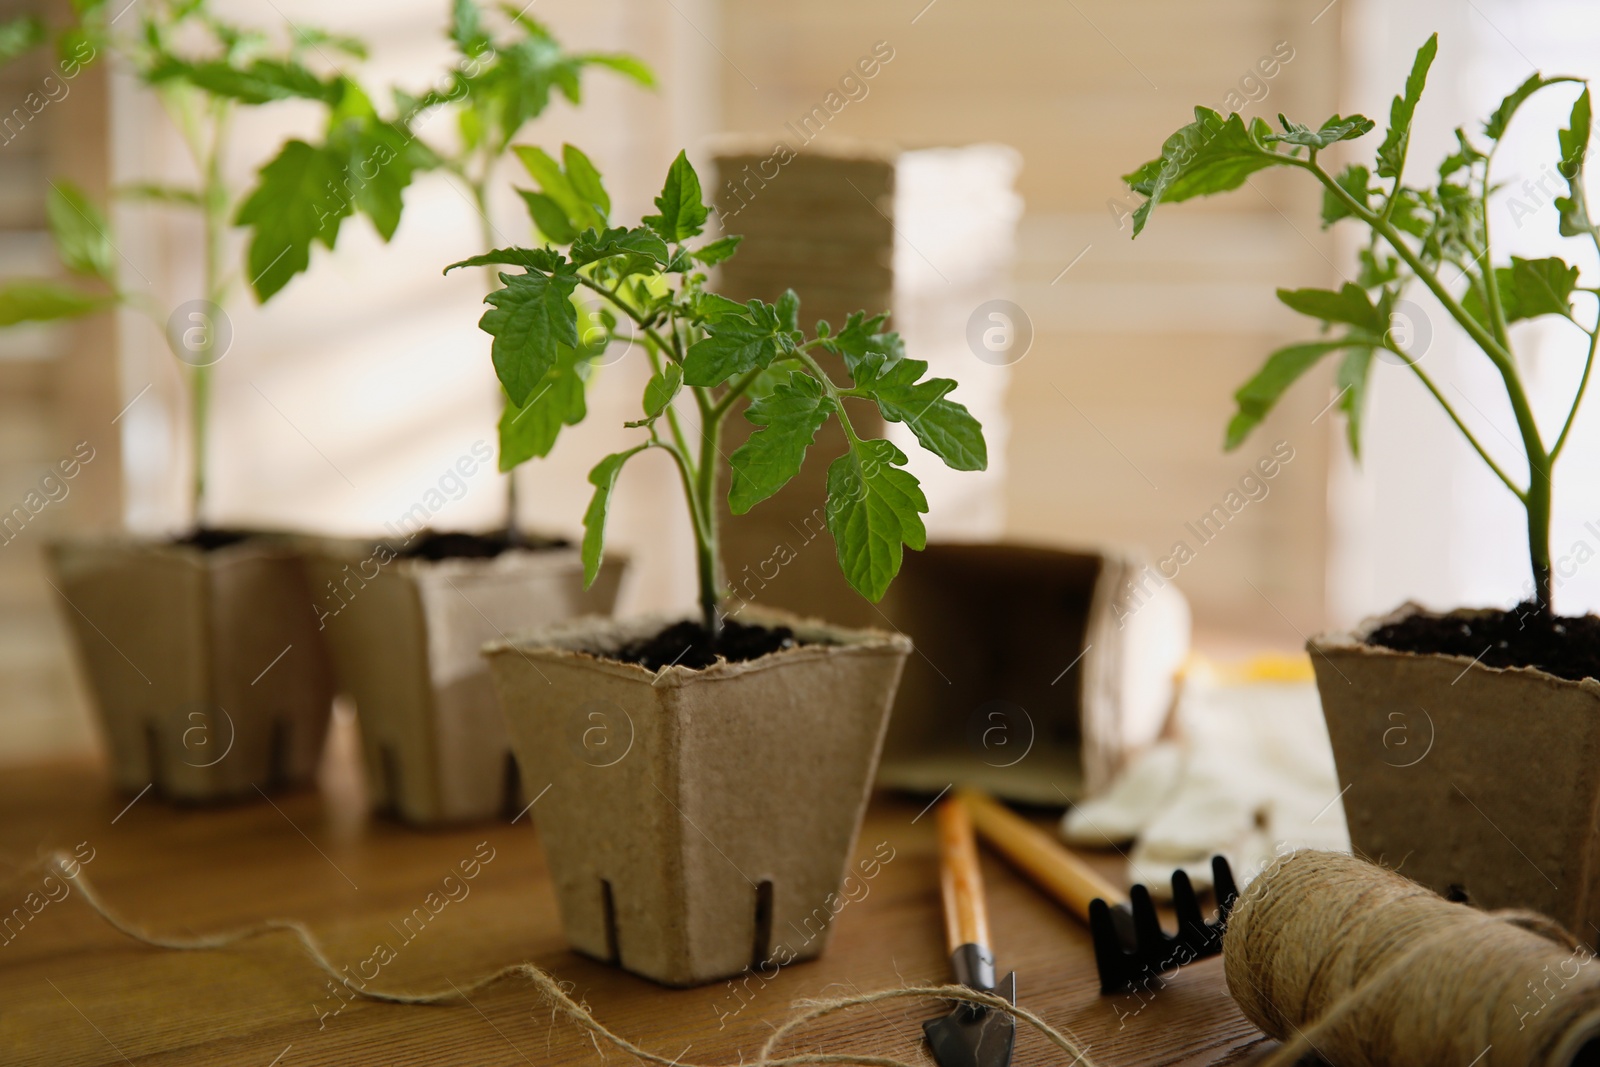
column 1335, row 956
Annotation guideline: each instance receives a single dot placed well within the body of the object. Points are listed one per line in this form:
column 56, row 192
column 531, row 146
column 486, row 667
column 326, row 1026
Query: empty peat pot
column 405, row 633
column 1480, row 782
column 202, row 659
column 692, row 819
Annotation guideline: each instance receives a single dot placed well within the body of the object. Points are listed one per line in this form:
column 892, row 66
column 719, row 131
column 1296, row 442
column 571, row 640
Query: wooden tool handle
column 966, row 917
column 1038, row 855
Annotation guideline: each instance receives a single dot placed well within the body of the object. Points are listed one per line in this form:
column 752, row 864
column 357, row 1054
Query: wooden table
column 75, row 991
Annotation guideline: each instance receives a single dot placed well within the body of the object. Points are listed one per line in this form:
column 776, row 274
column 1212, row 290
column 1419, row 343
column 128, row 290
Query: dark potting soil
column 434, row 546
column 688, row 644
column 1565, row 646
column 209, row 539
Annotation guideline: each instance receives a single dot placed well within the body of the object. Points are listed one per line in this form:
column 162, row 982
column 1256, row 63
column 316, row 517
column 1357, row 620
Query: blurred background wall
column 345, row 400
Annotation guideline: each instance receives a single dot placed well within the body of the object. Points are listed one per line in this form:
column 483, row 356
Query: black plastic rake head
column 1132, row 950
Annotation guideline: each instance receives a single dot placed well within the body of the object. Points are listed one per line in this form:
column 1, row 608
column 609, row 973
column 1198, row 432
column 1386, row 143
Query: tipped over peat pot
column 202, row 658
column 405, row 624
column 1478, row 778
column 692, row 818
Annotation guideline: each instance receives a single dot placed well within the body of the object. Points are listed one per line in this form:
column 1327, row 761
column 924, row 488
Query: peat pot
column 203, row 663
column 1481, row 783
column 697, row 822
column 405, row 633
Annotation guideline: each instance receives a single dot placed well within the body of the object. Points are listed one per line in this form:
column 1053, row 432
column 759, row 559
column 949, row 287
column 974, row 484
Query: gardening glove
column 1248, row 773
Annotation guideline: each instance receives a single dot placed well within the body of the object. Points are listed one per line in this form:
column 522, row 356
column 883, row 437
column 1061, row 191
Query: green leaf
column 874, row 508
column 682, row 214
column 1334, row 130
column 1397, row 139
column 1350, row 304
column 790, row 416
column 1355, row 180
column 717, row 251
column 1210, row 155
column 709, row 307
column 604, row 479
column 661, row 388
column 19, row 36
column 736, row 344
column 260, row 82
column 863, row 341
column 547, row 260
column 1495, row 127
column 590, row 246
column 29, row 300
column 1574, row 141
column 585, row 181
column 788, row 308
column 1528, row 288
column 155, row 192
column 549, row 217
column 466, row 28
column 626, row 65
column 379, row 162
column 81, row 232
column 294, row 203
column 943, row 427
column 1257, row 397
column 1375, row 272
column 1465, row 156
column 530, row 430
column 312, row 37
column 531, row 318
column 582, row 208
column 1351, row 381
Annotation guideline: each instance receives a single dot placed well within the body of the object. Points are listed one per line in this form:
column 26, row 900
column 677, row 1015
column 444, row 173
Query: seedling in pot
column 707, row 354
column 1436, row 233
column 498, row 83
column 203, row 70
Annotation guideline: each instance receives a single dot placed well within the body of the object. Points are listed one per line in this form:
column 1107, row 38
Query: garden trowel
column 972, row 1035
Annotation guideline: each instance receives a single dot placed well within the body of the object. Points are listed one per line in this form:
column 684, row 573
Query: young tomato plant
column 1414, row 232
column 493, row 89
column 710, row 352
column 202, row 69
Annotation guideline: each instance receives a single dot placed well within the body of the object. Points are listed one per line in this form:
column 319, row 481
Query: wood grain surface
column 75, row 991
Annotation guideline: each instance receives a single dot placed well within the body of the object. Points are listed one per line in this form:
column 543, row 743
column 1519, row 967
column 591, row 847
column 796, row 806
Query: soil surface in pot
column 209, row 539
column 433, row 545
column 1567, row 647
column 688, row 644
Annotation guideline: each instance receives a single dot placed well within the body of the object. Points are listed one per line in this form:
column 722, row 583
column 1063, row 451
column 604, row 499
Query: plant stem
column 214, row 223
column 1538, row 505
column 1536, row 498
column 709, row 562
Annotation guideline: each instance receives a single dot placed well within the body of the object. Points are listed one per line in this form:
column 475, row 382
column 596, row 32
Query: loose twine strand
column 806, row 1010
column 1336, row 956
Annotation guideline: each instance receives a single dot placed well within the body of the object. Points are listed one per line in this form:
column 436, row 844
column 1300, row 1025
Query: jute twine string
column 1333, row 955
column 556, row 994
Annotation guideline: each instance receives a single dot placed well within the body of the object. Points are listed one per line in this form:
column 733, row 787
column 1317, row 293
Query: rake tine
column 1191, row 923
column 1225, row 889
column 1150, row 938
column 1110, row 956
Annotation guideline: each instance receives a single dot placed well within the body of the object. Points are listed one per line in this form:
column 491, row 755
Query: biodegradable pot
column 1040, row 671
column 697, row 822
column 1479, row 782
column 205, row 667
column 405, row 636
